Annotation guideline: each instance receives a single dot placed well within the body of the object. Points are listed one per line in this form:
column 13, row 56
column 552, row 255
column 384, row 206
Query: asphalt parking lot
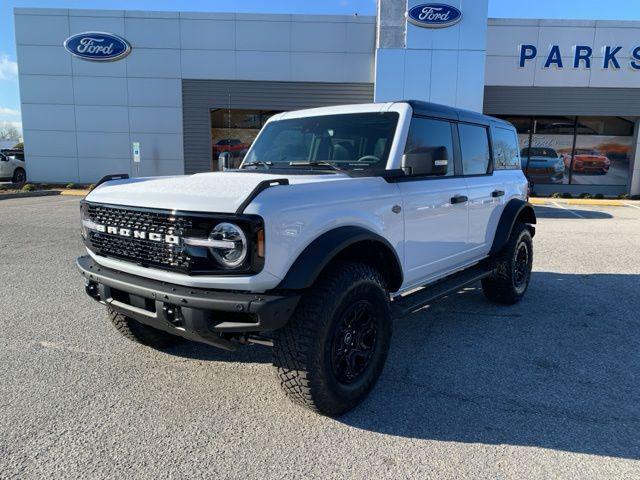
column 549, row 388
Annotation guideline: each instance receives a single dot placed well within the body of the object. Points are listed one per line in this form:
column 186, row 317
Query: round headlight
column 231, row 248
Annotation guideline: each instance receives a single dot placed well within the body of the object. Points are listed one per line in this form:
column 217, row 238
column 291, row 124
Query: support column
column 440, row 65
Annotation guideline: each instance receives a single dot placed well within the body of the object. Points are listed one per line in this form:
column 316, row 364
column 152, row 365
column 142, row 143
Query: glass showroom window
column 575, row 150
column 602, row 151
column 233, row 131
column 550, row 147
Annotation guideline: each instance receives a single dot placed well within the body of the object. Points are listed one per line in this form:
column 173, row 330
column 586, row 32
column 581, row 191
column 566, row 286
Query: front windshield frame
column 349, row 166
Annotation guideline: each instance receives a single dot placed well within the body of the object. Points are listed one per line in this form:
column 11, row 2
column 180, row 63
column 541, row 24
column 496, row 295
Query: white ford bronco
column 338, row 220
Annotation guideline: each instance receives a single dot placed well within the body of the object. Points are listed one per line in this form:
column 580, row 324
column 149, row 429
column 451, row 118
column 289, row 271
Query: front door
column 435, row 207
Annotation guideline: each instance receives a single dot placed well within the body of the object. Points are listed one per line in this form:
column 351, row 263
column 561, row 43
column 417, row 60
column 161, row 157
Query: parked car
column 588, row 161
column 233, row 145
column 542, row 165
column 339, row 220
column 12, row 169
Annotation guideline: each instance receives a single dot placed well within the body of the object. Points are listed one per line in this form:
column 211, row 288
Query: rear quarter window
column 505, row 149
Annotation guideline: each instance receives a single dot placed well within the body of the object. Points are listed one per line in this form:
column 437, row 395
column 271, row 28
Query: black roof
column 443, row 111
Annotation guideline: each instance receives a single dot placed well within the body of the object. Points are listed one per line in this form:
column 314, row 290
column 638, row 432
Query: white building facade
column 194, row 85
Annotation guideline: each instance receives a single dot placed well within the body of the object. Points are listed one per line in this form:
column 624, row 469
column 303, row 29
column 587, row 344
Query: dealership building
column 165, row 93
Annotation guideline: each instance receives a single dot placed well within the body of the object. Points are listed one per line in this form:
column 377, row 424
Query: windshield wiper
column 257, row 163
column 320, row 163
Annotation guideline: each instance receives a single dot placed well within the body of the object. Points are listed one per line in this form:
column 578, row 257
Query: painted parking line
column 567, row 209
column 632, row 206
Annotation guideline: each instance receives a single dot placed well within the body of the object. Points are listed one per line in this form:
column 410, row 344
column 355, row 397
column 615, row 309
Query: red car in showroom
column 233, row 145
column 588, row 161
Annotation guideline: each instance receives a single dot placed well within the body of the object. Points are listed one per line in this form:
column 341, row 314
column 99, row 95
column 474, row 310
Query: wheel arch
column 349, row 243
column 516, row 210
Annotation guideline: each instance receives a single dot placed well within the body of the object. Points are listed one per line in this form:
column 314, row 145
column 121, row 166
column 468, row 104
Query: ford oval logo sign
column 434, row 15
column 97, row 46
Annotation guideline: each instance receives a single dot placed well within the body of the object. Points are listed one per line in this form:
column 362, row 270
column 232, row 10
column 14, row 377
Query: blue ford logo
column 97, row 46
column 434, row 15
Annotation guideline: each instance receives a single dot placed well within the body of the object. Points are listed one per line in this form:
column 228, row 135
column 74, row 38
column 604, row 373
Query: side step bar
column 404, row 305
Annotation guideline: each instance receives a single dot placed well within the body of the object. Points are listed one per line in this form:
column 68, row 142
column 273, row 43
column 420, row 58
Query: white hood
column 221, row 192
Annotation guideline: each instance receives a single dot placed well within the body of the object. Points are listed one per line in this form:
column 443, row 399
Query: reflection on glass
column 233, row 132
column 601, row 160
column 602, row 146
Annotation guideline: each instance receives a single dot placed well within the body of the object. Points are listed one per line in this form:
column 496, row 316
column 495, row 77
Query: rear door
column 435, row 209
column 486, row 194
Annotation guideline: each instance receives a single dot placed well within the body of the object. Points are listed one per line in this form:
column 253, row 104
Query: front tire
column 510, row 279
column 333, row 349
column 140, row 333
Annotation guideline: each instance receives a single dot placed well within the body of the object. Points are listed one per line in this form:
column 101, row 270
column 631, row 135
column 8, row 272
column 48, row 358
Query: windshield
column 539, row 152
column 356, row 141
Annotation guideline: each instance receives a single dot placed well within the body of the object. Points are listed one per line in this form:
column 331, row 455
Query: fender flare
column 321, row 251
column 514, row 209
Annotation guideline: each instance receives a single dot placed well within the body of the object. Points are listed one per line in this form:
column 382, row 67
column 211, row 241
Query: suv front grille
column 137, row 245
column 144, row 252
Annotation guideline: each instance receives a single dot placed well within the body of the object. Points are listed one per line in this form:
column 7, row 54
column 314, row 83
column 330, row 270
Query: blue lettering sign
column 610, row 57
column 434, row 15
column 97, row 46
column 554, row 57
column 636, row 56
column 527, row 52
column 582, row 52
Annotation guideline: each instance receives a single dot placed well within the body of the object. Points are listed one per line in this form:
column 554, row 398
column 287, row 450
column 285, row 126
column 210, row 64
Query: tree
column 9, row 132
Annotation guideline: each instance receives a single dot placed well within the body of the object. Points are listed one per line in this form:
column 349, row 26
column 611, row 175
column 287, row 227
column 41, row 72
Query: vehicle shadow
column 559, row 370
column 569, row 213
column 200, row 351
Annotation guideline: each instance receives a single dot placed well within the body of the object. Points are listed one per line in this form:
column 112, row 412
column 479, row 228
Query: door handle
column 497, row 193
column 459, row 199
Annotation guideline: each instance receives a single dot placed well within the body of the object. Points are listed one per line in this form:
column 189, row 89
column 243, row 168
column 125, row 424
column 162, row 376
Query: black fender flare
column 515, row 210
column 321, row 251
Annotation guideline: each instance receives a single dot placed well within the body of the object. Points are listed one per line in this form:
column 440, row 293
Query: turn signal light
column 261, row 243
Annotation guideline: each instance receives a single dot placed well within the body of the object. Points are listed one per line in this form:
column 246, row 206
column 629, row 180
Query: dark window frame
column 455, row 152
column 490, row 166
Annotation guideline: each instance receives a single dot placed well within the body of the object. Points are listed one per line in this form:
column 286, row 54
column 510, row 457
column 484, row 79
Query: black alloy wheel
column 354, row 342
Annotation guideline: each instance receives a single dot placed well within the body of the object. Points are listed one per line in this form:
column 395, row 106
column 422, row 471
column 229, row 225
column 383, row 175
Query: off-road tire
column 303, row 349
column 19, row 176
column 503, row 286
column 140, row 333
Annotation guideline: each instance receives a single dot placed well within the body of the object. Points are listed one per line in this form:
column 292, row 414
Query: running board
column 404, row 305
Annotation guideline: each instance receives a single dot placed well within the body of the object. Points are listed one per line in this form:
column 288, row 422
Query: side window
column 430, row 145
column 474, row 144
column 505, row 149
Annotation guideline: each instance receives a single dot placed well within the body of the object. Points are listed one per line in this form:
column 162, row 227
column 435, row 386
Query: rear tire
column 510, row 280
column 19, row 176
column 333, row 349
column 140, row 333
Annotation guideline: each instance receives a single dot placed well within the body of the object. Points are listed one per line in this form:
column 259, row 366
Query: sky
column 9, row 94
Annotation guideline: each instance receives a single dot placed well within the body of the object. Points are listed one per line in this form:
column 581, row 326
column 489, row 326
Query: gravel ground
column 548, row 388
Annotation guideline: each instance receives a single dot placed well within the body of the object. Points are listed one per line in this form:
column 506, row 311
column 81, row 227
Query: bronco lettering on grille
column 140, row 234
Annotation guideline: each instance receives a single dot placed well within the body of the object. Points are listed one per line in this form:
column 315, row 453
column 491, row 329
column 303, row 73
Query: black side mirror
column 428, row 161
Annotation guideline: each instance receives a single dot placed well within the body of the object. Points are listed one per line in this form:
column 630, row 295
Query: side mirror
column 430, row 161
column 224, row 161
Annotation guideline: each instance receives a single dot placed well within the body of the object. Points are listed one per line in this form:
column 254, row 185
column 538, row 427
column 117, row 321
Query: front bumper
column 197, row 314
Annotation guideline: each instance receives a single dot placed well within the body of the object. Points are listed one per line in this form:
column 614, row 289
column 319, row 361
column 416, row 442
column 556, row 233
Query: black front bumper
column 197, row 314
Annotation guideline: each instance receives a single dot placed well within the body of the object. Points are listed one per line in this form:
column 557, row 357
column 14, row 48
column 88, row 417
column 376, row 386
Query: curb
column 41, row 193
column 581, row 201
column 74, row 193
